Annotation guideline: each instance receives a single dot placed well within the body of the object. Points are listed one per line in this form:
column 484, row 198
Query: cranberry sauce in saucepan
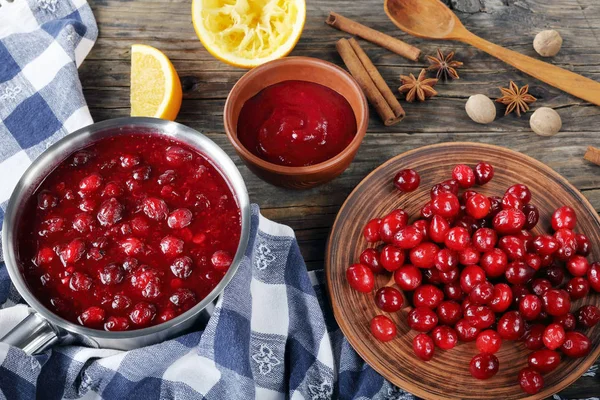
column 296, row 123
column 129, row 232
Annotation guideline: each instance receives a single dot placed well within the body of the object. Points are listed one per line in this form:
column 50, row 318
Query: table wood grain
column 166, row 24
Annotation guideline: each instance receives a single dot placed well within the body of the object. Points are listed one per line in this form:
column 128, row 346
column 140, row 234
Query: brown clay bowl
column 447, row 376
column 302, row 69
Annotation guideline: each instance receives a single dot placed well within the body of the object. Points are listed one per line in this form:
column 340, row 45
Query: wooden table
column 512, row 23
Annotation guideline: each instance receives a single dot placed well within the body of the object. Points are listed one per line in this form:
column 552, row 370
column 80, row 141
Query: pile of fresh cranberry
column 476, row 272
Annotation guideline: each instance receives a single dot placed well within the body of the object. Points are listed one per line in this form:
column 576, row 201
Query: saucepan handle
column 33, row 335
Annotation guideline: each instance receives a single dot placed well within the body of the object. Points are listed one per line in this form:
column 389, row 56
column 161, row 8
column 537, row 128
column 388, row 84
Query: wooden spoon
column 431, row 19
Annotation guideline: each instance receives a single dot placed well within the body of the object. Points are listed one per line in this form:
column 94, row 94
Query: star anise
column 445, row 66
column 419, row 88
column 516, row 99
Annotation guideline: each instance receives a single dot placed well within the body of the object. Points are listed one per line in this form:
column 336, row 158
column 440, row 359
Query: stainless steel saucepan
column 42, row 328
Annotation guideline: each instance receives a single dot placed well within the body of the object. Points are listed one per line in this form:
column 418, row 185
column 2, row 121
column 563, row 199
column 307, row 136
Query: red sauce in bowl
column 296, row 123
column 129, row 232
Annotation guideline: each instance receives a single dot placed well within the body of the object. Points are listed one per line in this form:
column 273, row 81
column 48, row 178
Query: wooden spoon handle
column 570, row 82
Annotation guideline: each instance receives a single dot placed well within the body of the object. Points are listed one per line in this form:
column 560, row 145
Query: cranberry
column 467, row 195
column 112, row 189
column 578, row 288
column 457, row 239
column 532, row 216
column 446, row 260
column 426, row 211
column 533, row 260
column 484, row 172
column 155, row 208
column 370, row 258
column 496, row 206
column 438, row 228
column 183, row 298
column 482, row 293
column 52, row 225
column 588, row 316
column 422, row 319
column 46, row 200
column 448, row 276
column 464, row 175
column 488, row 341
column 179, row 218
column 444, row 337
column 583, row 244
column 554, row 336
column 424, row 255
column 166, row 315
column 564, row 217
column 423, row 346
column 519, row 273
column 142, row 314
column 494, row 263
column 534, row 337
column 389, row 299
column 555, row 275
column 92, row 317
column 508, row 222
column 484, row 239
column 182, row 267
column 423, row 227
column 541, row 286
column 407, row 237
column 453, row 291
column 593, row 276
column 521, row 191
column 132, row 246
column 129, row 160
column 120, row 302
column 449, row 312
column 383, row 328
column 530, row 380
column 44, row 256
column 511, row 326
column 556, row 302
column 360, row 278
column 408, row 277
column 171, row 246
column 142, row 173
column 111, row 274
column 484, row 366
column 371, row 230
column 567, row 321
column 470, row 277
column 502, row 298
column 72, row 252
column 177, row 156
column 513, row 247
column 392, row 223
column 427, row 296
column 576, row 345
column 544, row 360
column 83, row 222
column 480, row 317
column 510, row 200
column 465, row 331
column 578, row 265
column 116, row 324
column 391, row 257
column 445, row 205
column 110, row 212
column 407, row 180
column 448, row 186
column 90, row 183
column 530, row 307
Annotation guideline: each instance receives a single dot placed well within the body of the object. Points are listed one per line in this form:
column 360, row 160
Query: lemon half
column 247, row 33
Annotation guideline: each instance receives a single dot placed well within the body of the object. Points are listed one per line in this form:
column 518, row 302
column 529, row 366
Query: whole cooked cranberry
column 534, row 337
column 556, row 302
column 468, row 256
column 533, row 260
column 92, row 317
column 465, row 331
column 391, row 257
column 457, row 239
column 110, row 212
column 112, row 189
column 80, row 282
column 111, row 274
column 554, row 336
column 444, row 337
column 422, row 319
column 511, row 326
column 578, row 265
column 510, row 200
column 155, row 208
column 371, row 230
column 564, row 217
column 370, row 258
column 593, row 276
column 478, row 206
column 72, row 252
column 424, row 255
column 52, row 225
column 422, row 226
column 132, row 246
column 408, row 277
column 423, row 346
column 44, row 256
column 530, row 307
column 129, row 160
column 583, row 244
column 567, row 321
column 449, row 276
column 540, row 286
column 407, row 180
column 453, row 291
column 438, row 228
column 513, row 247
column 427, row 296
column 578, row 288
column 407, row 237
column 519, row 273
column 181, row 267
column 482, row 293
column 141, row 173
column 544, row 360
column 120, row 302
column 46, row 200
column 530, row 380
column 171, row 246
column 576, row 345
column 445, row 205
column 555, row 274
column 166, row 177
column 90, row 183
column 383, row 328
column 426, row 211
column 484, row 366
column 488, row 341
column 116, row 324
column 484, row 239
column 449, row 312
column 480, row 317
column 532, row 216
column 183, row 298
column 447, row 186
column 142, row 313
column 166, row 315
column 179, row 218
column 389, row 299
column 508, row 222
column 521, row 191
column 360, row 278
column 392, row 223
column 588, row 316
column 484, row 172
column 470, row 277
column 545, row 245
column 83, row 222
column 177, row 156
column 502, row 298
column 494, row 262
column 446, row 260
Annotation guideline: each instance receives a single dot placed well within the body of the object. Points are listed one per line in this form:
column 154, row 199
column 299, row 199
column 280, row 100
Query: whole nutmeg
column 481, row 109
column 545, row 122
column 547, row 43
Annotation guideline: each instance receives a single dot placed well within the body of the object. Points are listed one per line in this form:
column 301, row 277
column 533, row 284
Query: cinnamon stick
column 592, row 155
column 378, row 80
column 396, row 45
column 364, row 80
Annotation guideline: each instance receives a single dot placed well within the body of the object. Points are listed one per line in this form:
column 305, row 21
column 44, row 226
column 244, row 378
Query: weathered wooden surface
column 511, row 23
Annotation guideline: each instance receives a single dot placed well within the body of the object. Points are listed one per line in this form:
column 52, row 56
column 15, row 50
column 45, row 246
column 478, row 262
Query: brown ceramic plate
column 447, row 375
